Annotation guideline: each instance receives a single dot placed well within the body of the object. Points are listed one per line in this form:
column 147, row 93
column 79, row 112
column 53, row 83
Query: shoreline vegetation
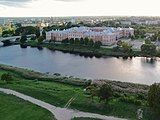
column 33, row 75
column 84, row 50
column 88, row 51
column 56, row 77
column 123, row 49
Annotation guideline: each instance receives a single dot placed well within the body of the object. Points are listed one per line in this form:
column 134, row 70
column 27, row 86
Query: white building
column 107, row 35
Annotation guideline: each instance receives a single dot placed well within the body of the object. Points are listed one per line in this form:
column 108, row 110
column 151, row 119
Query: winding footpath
column 59, row 113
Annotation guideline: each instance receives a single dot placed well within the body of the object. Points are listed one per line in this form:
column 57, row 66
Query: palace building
column 107, row 35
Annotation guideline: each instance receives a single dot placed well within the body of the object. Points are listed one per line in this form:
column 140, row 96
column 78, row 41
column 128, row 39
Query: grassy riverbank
column 12, row 108
column 32, row 75
column 124, row 103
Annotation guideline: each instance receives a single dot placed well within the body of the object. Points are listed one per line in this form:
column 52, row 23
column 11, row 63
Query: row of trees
column 86, row 41
column 22, row 31
column 27, row 31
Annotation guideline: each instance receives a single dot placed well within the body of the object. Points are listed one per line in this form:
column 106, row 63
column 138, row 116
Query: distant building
column 29, row 24
column 126, row 22
column 107, row 35
column 152, row 22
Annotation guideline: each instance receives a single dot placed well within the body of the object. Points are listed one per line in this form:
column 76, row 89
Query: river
column 136, row 70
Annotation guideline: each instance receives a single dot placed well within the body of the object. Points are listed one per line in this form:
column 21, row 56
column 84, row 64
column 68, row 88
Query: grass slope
column 12, row 108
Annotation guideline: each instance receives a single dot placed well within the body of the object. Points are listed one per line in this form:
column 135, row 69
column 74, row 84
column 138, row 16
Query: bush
column 154, row 98
column 40, row 39
column 6, row 77
column 105, row 92
column 127, row 99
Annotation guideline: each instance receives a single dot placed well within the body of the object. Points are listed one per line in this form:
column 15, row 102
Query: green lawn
column 12, row 108
column 59, row 94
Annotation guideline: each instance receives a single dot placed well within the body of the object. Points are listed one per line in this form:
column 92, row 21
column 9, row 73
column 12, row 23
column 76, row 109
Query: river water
column 137, row 70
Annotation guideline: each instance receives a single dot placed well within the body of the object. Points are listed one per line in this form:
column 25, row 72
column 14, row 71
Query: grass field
column 59, row 94
column 12, row 108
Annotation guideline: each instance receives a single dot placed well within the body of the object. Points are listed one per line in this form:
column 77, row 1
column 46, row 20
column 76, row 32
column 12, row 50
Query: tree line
column 82, row 41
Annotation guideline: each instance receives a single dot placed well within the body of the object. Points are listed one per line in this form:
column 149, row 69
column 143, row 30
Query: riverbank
column 59, row 93
column 85, row 50
column 34, row 75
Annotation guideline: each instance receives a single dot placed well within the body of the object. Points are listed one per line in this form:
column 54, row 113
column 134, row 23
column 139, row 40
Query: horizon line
column 86, row 16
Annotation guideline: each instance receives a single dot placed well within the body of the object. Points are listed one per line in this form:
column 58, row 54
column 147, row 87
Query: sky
column 56, row 8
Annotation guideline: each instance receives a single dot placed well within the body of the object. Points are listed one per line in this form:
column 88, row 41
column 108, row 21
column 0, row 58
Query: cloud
column 69, row 0
column 14, row 2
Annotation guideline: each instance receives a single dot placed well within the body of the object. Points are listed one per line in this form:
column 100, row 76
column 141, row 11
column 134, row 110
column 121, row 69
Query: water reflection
column 138, row 70
column 149, row 61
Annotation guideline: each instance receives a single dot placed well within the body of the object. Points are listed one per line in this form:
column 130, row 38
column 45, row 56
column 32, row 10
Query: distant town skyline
column 57, row 8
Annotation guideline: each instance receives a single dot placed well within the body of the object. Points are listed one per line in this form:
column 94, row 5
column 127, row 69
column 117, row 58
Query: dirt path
column 59, row 113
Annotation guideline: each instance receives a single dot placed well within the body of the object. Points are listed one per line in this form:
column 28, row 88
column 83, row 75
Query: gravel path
column 59, row 113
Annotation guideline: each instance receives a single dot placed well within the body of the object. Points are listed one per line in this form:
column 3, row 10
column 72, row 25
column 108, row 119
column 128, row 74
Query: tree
column 132, row 37
column 154, row 97
column 86, row 40
column 105, row 92
column 147, row 41
column 23, row 39
column 93, row 91
column 27, row 31
column 44, row 34
column 127, row 48
column 97, row 44
column 7, row 42
column 71, row 41
column 40, row 39
column 7, row 33
column 91, row 43
column 77, row 41
column 82, row 41
column 119, row 43
column 148, row 49
column 6, row 77
column 37, row 32
column 65, row 41
column 33, row 37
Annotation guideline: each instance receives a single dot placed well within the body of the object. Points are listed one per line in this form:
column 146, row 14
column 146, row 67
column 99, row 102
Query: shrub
column 154, row 98
column 127, row 99
column 6, row 77
column 105, row 92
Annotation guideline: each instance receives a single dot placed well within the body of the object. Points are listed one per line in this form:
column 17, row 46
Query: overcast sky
column 21, row 8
